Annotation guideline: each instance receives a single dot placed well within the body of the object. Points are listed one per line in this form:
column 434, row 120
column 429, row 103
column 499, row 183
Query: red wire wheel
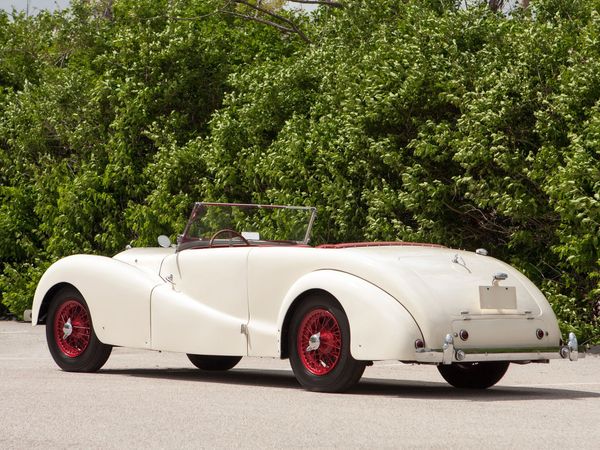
column 322, row 360
column 319, row 345
column 72, row 341
column 72, row 328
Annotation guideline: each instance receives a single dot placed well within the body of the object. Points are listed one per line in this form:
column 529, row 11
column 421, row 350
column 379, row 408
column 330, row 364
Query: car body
column 243, row 281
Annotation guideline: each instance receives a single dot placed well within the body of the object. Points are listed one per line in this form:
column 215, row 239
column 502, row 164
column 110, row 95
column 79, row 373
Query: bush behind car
column 402, row 121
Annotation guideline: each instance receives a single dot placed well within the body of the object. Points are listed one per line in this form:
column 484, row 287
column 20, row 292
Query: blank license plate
column 497, row 297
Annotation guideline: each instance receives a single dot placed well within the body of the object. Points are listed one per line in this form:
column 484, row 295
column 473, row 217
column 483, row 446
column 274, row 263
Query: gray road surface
column 158, row 400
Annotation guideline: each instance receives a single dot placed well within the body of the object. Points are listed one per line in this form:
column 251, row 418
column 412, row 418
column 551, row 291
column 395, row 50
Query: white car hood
column 148, row 259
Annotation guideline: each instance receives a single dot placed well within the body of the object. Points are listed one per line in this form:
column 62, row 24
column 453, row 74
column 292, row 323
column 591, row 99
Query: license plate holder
column 497, row 297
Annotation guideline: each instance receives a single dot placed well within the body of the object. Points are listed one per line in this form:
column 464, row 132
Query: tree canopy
column 399, row 120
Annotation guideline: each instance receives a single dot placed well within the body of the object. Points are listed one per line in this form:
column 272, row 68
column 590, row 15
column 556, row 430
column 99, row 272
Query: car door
column 202, row 307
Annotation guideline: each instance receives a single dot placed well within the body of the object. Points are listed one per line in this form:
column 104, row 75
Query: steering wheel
column 232, row 234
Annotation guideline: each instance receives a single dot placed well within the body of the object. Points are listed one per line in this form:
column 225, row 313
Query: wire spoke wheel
column 72, row 328
column 323, row 359
column 70, row 334
column 319, row 346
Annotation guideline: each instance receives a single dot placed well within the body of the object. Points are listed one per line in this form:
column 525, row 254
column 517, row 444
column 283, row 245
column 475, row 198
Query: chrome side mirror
column 164, row 241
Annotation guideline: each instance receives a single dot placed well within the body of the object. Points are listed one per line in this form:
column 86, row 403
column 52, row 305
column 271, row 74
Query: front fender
column 117, row 295
column 380, row 327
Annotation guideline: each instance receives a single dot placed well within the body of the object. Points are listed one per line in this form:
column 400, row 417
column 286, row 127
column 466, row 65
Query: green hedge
column 403, row 120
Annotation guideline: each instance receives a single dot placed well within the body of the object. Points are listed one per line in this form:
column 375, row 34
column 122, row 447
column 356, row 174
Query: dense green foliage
column 402, row 121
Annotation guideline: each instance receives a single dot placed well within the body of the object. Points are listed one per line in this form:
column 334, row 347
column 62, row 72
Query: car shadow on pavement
column 367, row 386
column 249, row 377
column 442, row 390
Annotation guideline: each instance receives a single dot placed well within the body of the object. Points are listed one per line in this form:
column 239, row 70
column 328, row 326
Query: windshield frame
column 184, row 240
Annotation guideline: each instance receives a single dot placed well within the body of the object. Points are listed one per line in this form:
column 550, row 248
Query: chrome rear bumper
column 449, row 354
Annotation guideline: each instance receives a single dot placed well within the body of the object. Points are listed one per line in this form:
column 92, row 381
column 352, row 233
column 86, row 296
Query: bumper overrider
column 449, row 354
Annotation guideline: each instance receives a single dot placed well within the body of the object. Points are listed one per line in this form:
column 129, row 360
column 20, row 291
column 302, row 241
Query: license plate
column 497, row 297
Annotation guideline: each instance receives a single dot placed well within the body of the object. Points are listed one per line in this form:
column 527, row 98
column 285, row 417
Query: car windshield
column 241, row 224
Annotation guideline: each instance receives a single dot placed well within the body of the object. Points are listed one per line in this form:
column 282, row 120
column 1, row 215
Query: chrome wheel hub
column 314, row 342
column 67, row 329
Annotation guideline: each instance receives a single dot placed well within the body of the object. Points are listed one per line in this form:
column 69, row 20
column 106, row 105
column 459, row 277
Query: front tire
column 209, row 362
column 319, row 346
column 70, row 335
column 479, row 375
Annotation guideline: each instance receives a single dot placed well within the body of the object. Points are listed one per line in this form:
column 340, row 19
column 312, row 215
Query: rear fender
column 117, row 295
column 380, row 327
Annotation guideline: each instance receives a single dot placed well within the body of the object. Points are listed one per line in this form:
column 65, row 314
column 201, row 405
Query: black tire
column 330, row 367
column 80, row 350
column 479, row 375
column 209, row 362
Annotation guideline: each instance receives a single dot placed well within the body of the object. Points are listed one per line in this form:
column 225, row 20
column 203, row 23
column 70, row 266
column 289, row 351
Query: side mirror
column 164, row 241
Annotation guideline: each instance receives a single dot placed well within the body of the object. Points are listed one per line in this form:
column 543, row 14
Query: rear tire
column 479, row 375
column 70, row 334
column 328, row 366
column 209, row 362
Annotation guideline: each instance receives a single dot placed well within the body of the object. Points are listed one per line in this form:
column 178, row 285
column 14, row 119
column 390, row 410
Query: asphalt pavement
column 148, row 400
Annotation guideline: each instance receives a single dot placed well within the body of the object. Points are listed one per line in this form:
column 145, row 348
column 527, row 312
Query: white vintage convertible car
column 243, row 281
